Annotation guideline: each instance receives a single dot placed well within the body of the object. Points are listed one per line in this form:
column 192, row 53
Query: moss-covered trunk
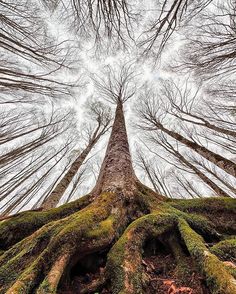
column 108, row 241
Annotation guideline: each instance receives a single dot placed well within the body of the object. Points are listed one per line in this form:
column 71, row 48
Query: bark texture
column 53, row 199
column 117, row 172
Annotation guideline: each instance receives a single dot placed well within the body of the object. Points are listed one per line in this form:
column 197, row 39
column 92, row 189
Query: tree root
column 41, row 262
column 217, row 277
column 94, row 285
column 225, row 249
column 124, row 259
column 85, row 231
column 21, row 225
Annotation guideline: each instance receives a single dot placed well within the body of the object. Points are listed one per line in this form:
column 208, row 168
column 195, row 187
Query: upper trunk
column 117, row 171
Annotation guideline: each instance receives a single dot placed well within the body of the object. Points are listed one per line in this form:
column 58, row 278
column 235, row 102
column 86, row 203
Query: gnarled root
column 217, row 277
column 42, row 260
column 17, row 227
column 88, row 230
column 124, row 259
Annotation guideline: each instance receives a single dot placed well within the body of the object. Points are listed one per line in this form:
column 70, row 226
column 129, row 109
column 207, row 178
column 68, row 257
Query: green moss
column 45, row 288
column 217, row 277
column 231, row 270
column 16, row 228
column 102, row 229
column 212, row 204
column 226, row 249
column 57, row 237
column 124, row 259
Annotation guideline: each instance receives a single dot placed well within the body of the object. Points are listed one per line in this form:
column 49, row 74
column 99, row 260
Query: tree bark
column 53, row 199
column 222, row 162
column 117, row 172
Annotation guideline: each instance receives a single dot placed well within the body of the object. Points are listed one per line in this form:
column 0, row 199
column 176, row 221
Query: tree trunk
column 201, row 175
column 53, row 199
column 117, row 173
column 105, row 242
column 222, row 162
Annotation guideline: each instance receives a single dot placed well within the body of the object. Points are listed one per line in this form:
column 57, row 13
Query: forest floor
column 161, row 275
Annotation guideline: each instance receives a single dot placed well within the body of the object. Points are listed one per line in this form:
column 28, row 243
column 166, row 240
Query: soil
column 161, row 274
column 164, row 277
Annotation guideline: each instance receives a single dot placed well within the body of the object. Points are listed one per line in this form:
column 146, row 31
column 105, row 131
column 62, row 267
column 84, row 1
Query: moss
column 196, row 221
column 45, row 288
column 226, row 249
column 44, row 246
column 124, row 259
column 212, row 204
column 16, row 228
column 217, row 277
column 231, row 270
column 101, row 229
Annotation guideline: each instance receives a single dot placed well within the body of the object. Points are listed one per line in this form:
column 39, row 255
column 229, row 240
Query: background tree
column 101, row 115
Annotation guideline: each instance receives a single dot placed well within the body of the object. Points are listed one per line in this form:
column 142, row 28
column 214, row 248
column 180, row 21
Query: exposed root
column 89, row 229
column 226, row 249
column 124, row 259
column 94, row 285
column 17, row 227
column 50, row 283
column 59, row 239
column 217, row 277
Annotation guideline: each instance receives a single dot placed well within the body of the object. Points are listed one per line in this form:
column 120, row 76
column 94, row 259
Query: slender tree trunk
column 214, row 174
column 205, row 123
column 53, row 199
column 222, row 162
column 202, row 176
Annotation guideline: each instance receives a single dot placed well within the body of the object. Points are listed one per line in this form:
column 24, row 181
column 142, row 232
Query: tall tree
column 186, row 162
column 151, row 121
column 122, row 237
column 110, row 228
column 102, row 117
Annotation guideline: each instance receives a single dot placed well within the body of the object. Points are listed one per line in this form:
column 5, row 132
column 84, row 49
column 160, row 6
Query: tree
column 170, row 16
column 102, row 117
column 186, row 163
column 122, row 237
column 30, row 152
column 151, row 120
column 106, row 232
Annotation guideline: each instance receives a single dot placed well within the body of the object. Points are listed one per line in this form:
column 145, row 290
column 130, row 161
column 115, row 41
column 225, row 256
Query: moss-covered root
column 208, row 205
column 217, row 277
column 21, row 225
column 225, row 250
column 125, row 258
column 89, row 230
column 50, row 283
column 182, row 267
